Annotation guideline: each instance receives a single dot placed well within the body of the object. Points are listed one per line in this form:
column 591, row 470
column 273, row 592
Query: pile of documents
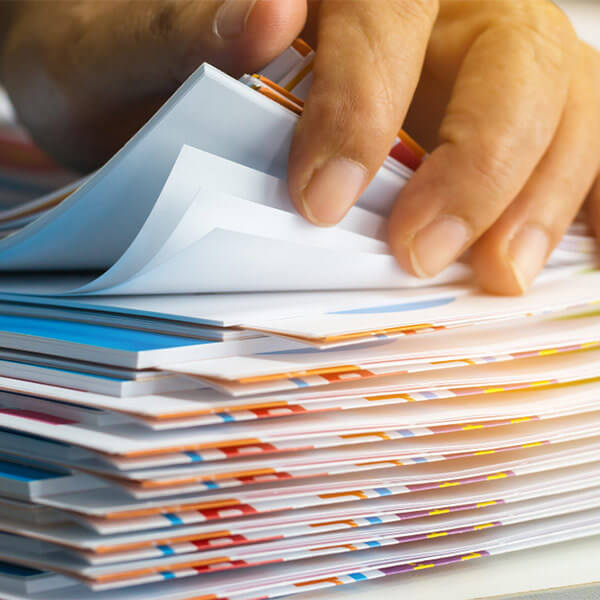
column 204, row 397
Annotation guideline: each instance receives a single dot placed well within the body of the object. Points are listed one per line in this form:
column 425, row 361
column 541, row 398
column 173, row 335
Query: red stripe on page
column 404, row 155
column 33, row 415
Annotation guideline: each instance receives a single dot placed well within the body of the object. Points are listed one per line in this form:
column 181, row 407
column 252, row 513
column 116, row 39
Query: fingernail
column 527, row 253
column 332, row 190
column 230, row 20
column 438, row 244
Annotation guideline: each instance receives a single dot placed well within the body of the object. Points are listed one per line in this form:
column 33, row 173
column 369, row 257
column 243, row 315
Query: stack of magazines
column 204, row 397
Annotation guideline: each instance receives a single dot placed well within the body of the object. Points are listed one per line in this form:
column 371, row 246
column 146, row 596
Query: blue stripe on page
column 194, row 456
column 374, row 520
column 383, row 491
column 227, row 417
column 93, row 335
column 299, row 382
column 167, row 574
column 405, row 432
column 357, row 576
column 166, row 550
column 175, row 520
column 394, row 308
column 17, row 472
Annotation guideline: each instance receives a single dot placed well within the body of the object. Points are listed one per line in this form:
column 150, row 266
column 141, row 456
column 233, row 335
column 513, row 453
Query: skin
column 501, row 92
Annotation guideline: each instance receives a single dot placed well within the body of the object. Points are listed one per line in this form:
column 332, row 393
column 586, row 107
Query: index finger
column 368, row 62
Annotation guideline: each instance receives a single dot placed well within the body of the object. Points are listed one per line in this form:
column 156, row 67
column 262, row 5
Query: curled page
column 114, row 224
column 196, row 202
column 92, row 228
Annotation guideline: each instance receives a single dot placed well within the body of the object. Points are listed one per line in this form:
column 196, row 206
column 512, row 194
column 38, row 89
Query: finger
column 164, row 40
column 368, row 60
column 90, row 59
column 505, row 108
column 234, row 35
column 513, row 251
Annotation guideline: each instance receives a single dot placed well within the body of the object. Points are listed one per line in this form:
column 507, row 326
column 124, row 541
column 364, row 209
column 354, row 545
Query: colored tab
column 175, row 520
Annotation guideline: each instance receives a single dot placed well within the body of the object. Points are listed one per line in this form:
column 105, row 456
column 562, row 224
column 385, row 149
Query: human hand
column 85, row 75
column 508, row 101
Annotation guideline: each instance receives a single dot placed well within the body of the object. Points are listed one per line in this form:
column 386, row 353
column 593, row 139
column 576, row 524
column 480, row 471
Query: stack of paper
column 164, row 438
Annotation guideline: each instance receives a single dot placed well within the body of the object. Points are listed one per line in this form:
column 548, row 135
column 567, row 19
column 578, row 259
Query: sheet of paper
column 119, row 347
column 219, row 106
column 158, row 223
column 114, row 503
column 445, row 310
column 224, row 527
column 314, row 533
column 536, row 334
column 307, row 546
column 137, row 440
column 175, row 409
column 377, row 562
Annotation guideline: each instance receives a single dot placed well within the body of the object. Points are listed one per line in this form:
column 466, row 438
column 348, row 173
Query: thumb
column 84, row 76
column 163, row 41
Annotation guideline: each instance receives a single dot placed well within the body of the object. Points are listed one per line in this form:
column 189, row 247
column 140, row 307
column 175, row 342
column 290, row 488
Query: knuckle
column 543, row 31
column 490, row 161
column 353, row 115
column 492, row 167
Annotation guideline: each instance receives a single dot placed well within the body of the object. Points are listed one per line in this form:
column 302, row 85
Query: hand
column 85, row 75
column 508, row 101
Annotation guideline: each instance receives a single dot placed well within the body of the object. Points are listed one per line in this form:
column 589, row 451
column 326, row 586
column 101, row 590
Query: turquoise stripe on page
column 94, row 335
